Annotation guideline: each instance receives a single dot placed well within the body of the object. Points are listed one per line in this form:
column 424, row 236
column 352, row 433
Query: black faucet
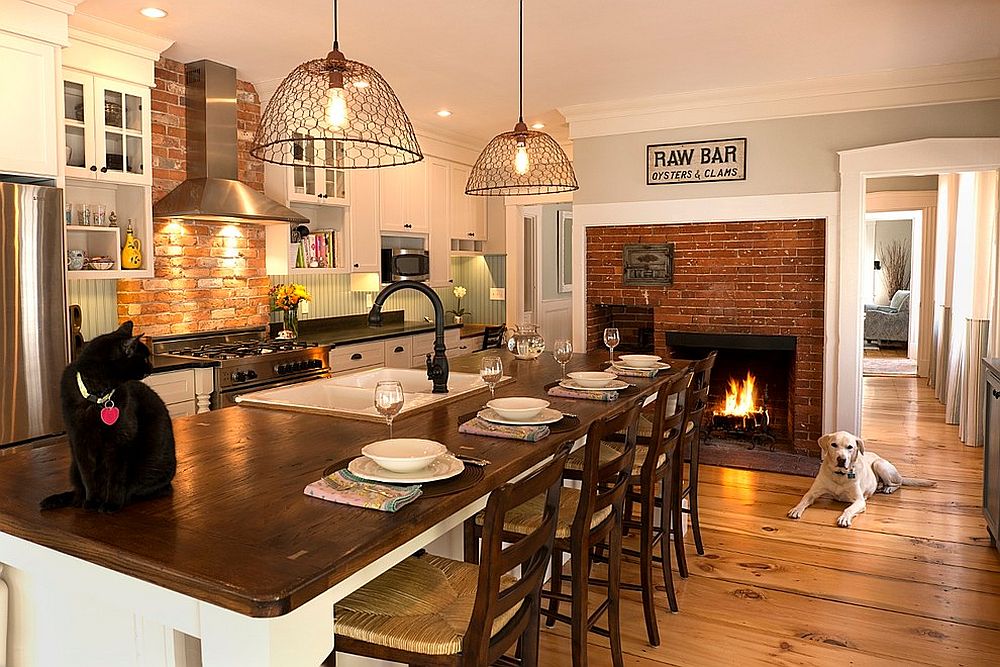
column 437, row 368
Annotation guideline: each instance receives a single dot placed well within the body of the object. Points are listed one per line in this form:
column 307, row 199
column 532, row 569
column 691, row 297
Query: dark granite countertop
column 164, row 363
column 354, row 328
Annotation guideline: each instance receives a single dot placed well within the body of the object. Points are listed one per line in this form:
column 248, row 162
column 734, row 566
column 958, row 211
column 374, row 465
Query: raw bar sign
column 701, row 162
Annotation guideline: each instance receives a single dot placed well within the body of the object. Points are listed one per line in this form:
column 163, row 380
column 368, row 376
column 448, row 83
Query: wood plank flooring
column 914, row 582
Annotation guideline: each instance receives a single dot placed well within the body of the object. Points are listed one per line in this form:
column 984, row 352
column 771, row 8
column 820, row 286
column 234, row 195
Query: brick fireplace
column 764, row 278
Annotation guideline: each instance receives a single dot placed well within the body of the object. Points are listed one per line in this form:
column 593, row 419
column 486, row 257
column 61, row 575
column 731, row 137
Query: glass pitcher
column 525, row 342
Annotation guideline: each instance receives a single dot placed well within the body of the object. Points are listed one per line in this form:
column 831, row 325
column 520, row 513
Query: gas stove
column 247, row 359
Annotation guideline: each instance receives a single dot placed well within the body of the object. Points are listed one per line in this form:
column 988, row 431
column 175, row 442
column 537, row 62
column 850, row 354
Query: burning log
column 740, row 414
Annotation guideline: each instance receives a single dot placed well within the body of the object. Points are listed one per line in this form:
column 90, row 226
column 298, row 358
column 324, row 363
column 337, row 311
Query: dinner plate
column 660, row 366
column 546, row 416
column 443, row 467
column 614, row 385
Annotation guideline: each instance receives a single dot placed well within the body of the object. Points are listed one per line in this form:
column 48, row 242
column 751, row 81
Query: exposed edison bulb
column 336, row 107
column 521, row 158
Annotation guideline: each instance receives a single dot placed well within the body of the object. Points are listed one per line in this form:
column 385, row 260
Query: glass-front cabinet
column 319, row 179
column 107, row 129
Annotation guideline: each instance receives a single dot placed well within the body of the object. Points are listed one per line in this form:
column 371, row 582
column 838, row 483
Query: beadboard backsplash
column 332, row 296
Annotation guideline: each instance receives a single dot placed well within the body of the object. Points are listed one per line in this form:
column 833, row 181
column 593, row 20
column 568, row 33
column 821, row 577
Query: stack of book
column 317, row 251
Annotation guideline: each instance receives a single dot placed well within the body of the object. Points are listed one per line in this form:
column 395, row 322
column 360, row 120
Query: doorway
column 891, row 290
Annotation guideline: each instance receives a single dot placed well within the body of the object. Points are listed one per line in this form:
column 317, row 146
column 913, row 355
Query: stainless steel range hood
column 212, row 192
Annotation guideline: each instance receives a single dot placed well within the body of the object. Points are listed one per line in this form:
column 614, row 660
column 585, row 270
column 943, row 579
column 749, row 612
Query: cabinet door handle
column 357, row 356
column 996, row 393
column 93, row 167
column 399, row 348
column 472, row 233
column 356, row 265
column 104, row 170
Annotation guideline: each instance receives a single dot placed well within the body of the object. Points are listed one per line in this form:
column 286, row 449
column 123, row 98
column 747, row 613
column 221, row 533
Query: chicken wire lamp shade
column 523, row 161
column 337, row 113
column 498, row 171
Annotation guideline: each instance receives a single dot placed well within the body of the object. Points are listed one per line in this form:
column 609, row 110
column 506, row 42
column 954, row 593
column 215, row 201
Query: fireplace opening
column 750, row 388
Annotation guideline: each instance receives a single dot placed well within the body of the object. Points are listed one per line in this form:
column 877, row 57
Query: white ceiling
column 462, row 54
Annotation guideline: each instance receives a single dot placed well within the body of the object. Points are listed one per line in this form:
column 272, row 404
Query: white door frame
column 908, row 158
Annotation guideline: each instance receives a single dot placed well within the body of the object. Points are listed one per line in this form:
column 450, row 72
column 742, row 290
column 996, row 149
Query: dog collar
column 850, row 473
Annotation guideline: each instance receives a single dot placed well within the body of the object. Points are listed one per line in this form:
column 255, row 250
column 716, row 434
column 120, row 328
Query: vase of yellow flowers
column 285, row 299
column 458, row 311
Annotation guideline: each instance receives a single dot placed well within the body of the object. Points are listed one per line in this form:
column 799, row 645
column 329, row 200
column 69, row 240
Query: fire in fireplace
column 741, row 415
column 751, row 387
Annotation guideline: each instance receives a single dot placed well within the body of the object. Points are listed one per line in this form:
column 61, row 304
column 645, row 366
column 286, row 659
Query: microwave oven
column 405, row 264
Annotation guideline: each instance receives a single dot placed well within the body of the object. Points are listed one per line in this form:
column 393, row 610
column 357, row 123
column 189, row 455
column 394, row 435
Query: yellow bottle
column 132, row 251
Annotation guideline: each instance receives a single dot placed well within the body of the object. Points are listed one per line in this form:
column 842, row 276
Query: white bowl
column 592, row 379
column 639, row 360
column 518, row 408
column 404, row 454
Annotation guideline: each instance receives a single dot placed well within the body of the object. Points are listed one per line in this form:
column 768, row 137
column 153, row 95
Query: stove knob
column 251, row 375
column 317, row 363
column 239, row 376
column 299, row 365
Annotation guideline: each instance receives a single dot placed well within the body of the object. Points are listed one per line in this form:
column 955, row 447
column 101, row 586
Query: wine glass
column 562, row 352
column 491, row 371
column 611, row 339
column 389, row 400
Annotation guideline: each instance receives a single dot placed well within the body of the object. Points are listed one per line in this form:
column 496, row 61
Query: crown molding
column 920, row 86
column 110, row 35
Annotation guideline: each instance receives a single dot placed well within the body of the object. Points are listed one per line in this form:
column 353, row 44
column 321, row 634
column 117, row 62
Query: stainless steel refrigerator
column 34, row 346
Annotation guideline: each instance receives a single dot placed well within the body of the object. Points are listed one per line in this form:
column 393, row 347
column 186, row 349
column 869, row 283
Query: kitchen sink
column 352, row 395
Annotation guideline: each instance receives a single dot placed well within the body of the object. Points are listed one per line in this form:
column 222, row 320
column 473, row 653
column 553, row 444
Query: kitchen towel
column 589, row 395
column 477, row 426
column 343, row 487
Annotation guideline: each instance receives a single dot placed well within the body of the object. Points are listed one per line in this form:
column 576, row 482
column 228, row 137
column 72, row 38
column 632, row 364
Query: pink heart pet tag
column 109, row 415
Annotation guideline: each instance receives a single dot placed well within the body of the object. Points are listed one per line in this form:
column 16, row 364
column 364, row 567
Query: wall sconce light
column 370, row 283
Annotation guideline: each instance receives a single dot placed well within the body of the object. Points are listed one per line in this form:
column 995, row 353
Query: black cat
column 119, row 430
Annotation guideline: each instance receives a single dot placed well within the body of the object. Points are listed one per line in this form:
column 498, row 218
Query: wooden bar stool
column 697, row 402
column 652, row 486
column 588, row 517
column 430, row 610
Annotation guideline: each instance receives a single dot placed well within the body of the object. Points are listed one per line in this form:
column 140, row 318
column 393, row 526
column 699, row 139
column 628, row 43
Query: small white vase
column 458, row 319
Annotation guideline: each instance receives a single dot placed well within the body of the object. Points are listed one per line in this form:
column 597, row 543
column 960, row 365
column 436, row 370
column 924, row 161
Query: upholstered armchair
column 889, row 323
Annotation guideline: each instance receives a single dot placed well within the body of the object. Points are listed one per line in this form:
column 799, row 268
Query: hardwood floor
column 915, row 581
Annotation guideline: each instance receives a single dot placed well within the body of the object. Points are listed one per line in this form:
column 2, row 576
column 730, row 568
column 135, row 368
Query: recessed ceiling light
column 152, row 12
column 538, row 126
column 444, row 113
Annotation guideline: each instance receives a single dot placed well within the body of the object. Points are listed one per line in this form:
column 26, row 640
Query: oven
column 246, row 360
column 268, row 373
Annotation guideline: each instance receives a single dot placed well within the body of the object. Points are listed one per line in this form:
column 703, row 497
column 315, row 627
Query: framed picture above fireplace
column 648, row 264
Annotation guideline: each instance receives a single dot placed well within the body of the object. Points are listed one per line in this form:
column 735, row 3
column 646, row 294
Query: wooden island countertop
column 238, row 532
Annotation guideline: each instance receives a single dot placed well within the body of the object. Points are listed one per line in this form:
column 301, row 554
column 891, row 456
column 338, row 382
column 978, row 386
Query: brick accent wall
column 762, row 277
column 206, row 276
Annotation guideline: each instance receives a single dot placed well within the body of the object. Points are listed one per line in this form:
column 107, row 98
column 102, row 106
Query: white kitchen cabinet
column 423, row 344
column 403, row 199
column 399, row 352
column 309, row 181
column 358, row 356
column 28, row 115
column 466, row 214
column 363, row 225
column 128, row 203
column 186, row 391
column 107, row 129
column 440, row 233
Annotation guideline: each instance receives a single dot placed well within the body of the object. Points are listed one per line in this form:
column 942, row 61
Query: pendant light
column 335, row 112
column 524, row 161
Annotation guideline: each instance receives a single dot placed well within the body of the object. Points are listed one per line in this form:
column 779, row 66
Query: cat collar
column 99, row 400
